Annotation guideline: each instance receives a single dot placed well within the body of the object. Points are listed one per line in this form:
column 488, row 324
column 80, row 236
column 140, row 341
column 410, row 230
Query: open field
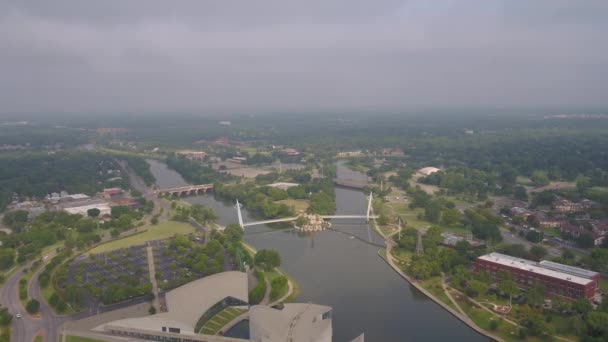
column 298, row 205
column 409, row 215
column 163, row 230
column 222, row 318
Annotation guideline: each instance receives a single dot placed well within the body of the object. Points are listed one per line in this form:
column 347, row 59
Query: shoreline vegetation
column 382, row 253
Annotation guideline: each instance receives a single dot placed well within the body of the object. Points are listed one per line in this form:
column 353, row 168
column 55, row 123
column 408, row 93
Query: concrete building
column 104, row 209
column 185, row 306
column 202, row 299
column 292, row 322
column 559, row 280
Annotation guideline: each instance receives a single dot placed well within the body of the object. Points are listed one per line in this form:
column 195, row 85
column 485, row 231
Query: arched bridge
column 186, row 190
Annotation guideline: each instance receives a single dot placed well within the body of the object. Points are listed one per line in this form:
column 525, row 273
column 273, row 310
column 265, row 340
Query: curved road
column 25, row 328
column 48, row 323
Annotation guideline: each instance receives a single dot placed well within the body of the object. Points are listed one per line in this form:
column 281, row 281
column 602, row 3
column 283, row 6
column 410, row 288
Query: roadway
column 25, row 328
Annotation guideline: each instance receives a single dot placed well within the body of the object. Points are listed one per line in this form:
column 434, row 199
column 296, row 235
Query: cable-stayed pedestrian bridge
column 369, row 215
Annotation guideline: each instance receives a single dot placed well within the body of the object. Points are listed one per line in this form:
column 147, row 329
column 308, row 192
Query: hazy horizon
column 313, row 57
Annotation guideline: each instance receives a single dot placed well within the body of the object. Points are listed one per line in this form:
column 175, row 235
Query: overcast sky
column 297, row 56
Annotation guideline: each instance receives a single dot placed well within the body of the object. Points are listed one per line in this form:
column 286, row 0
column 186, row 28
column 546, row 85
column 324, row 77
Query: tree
column 233, row 232
column 432, row 212
column 582, row 306
column 538, row 252
column 536, row 295
column 450, row 217
column 7, row 258
column 508, row 287
column 520, row 193
column 32, row 306
column 15, row 220
column 582, row 183
column 539, row 178
column 267, row 259
column 476, row 288
column 585, row 240
column 93, row 212
column 597, row 322
column 534, row 236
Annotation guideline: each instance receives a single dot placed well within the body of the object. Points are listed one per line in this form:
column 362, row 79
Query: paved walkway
column 152, row 270
column 447, row 293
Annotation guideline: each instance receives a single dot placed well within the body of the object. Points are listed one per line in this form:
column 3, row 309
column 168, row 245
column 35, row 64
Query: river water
column 346, row 273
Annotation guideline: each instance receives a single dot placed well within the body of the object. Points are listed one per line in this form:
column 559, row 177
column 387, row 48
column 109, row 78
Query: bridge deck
column 186, row 188
column 287, row 219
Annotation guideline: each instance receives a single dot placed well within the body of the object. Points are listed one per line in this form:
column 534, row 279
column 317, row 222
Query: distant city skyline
column 69, row 56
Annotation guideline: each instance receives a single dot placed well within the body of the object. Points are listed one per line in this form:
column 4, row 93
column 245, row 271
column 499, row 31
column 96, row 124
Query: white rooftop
column 297, row 322
column 532, row 266
column 428, row 170
column 187, row 303
column 283, row 185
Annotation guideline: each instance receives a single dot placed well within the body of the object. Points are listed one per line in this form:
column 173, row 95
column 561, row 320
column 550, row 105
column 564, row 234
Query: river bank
column 388, row 258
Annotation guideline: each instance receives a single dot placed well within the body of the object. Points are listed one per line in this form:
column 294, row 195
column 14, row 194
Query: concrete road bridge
column 351, row 183
column 188, row 190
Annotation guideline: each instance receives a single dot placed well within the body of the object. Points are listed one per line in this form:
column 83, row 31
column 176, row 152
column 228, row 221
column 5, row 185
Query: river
column 334, row 269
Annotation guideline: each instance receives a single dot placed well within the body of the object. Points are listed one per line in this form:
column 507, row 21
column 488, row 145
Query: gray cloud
column 208, row 56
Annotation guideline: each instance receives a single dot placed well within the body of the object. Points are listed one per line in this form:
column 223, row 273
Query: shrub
column 32, row 306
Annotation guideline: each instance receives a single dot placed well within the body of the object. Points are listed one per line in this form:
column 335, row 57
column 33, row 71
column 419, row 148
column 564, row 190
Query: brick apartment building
column 559, row 280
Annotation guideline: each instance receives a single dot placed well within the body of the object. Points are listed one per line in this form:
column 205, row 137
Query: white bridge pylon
column 238, row 208
column 369, row 205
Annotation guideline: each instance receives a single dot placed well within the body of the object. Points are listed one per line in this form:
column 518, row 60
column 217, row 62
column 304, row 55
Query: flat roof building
column 559, row 280
column 292, row 322
column 202, row 299
column 104, row 209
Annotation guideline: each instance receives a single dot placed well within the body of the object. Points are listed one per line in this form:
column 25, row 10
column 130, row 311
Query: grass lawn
column 217, row 322
column 552, row 232
column 387, row 230
column 163, row 230
column 522, row 180
column 271, row 275
column 483, row 318
column 433, row 285
column 460, row 230
column 463, row 200
column 38, row 339
column 409, row 215
column 402, row 254
column 297, row 205
column 80, row 339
